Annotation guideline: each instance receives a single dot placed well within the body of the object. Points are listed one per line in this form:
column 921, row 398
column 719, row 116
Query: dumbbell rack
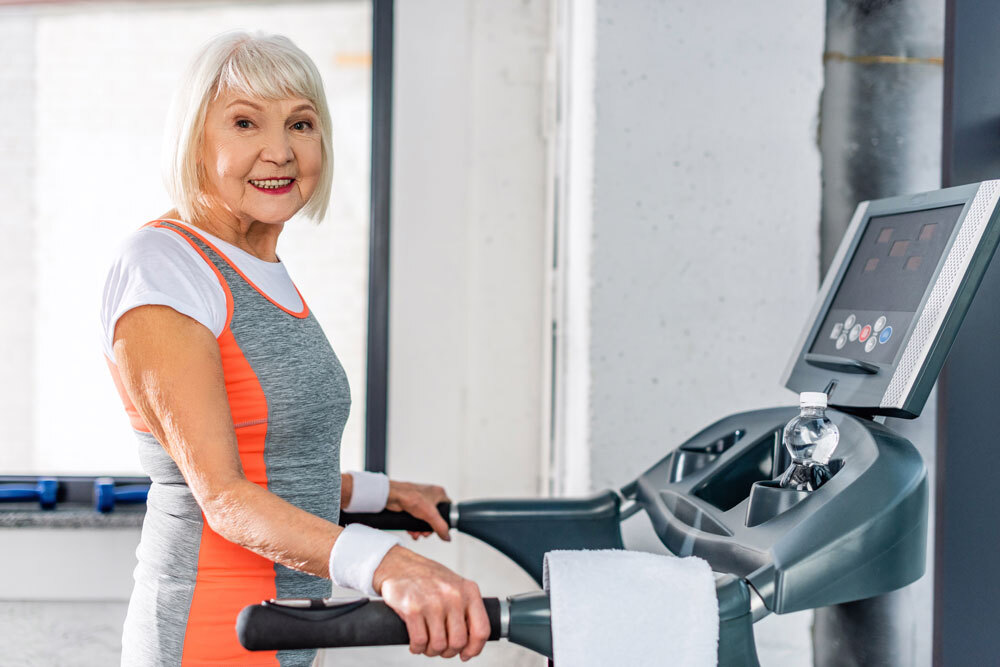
column 71, row 500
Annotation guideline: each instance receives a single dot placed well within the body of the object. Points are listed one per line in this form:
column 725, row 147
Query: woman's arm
column 171, row 368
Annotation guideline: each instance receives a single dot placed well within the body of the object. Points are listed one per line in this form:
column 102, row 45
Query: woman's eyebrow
column 305, row 106
column 246, row 102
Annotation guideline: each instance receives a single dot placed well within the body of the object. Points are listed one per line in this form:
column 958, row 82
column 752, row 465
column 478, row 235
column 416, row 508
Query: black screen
column 892, row 267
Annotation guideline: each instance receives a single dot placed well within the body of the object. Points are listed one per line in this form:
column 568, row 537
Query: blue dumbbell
column 106, row 495
column 44, row 491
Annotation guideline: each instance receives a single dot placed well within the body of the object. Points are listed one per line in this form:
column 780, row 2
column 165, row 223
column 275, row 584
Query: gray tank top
column 289, row 400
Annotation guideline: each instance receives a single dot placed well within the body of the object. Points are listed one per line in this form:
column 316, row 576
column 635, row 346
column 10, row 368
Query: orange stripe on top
column 301, row 314
column 230, row 577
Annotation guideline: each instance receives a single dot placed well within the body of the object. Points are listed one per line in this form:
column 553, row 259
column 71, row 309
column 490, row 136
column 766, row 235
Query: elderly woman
column 235, row 395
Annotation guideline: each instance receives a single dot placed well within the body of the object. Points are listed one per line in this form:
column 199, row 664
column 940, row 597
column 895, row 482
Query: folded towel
column 614, row 607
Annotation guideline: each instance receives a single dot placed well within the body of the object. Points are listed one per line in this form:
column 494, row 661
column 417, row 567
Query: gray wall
column 704, row 229
column 705, row 214
column 695, row 239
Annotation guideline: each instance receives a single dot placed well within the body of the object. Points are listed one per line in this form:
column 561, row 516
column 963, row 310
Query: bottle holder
column 768, row 500
column 691, row 458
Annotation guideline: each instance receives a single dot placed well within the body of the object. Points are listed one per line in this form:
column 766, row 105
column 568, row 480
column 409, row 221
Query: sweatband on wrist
column 356, row 555
column 370, row 492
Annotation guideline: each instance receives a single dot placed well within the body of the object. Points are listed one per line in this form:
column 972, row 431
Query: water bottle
column 811, row 439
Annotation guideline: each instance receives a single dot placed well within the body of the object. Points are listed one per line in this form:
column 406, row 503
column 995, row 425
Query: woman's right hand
column 443, row 612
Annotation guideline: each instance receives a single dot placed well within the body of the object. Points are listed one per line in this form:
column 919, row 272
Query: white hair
column 258, row 65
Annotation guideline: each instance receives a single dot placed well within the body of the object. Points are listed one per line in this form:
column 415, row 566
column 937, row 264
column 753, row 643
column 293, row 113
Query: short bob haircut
column 260, row 66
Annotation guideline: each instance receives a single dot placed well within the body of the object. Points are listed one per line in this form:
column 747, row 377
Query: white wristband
column 356, row 555
column 370, row 492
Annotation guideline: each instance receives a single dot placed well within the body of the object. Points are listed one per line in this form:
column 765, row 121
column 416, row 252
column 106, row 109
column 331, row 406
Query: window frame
column 377, row 373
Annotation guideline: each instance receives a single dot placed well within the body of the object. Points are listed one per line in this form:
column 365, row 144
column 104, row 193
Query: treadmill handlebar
column 524, row 619
column 278, row 625
column 389, row 520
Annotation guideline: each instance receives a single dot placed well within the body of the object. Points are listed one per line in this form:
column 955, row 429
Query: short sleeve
column 158, row 267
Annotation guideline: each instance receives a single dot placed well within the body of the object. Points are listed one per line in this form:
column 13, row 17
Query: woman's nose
column 277, row 148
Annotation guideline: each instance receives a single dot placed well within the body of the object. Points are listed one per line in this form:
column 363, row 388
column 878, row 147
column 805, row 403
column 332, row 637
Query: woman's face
column 261, row 158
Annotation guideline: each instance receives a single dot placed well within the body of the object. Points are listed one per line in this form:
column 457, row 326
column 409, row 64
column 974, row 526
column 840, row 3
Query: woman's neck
column 260, row 239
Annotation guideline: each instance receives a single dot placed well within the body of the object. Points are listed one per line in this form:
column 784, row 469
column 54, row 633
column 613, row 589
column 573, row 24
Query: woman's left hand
column 420, row 501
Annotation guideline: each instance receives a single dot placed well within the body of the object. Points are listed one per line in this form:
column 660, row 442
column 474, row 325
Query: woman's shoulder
column 157, row 266
column 158, row 259
column 150, row 241
column 151, row 249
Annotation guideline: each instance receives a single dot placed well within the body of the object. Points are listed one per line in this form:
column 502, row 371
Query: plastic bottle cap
column 816, row 399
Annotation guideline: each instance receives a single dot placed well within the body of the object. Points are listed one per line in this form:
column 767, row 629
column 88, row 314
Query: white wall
column 468, row 232
column 695, row 241
column 17, row 291
column 469, row 194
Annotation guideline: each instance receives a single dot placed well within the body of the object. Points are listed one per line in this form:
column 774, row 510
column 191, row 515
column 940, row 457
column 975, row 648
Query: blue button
column 885, row 335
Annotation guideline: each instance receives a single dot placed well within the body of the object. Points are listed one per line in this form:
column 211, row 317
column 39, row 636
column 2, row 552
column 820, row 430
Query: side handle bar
column 522, row 529
column 522, row 619
column 389, row 520
column 315, row 623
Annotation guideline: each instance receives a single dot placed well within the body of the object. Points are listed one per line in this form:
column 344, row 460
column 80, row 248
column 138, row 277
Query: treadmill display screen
column 884, row 284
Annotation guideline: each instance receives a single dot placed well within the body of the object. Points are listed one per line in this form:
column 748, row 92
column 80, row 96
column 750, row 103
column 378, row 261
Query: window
column 86, row 89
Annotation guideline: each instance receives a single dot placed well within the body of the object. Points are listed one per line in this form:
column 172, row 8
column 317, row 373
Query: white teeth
column 271, row 184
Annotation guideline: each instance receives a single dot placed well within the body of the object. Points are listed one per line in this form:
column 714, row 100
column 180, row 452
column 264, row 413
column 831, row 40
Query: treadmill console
column 884, row 320
column 894, row 298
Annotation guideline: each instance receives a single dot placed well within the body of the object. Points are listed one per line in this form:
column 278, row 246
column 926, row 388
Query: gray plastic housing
column 524, row 530
column 861, row 534
column 900, row 388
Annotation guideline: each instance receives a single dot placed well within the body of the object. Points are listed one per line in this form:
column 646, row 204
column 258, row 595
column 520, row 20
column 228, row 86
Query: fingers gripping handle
column 389, row 520
column 294, row 624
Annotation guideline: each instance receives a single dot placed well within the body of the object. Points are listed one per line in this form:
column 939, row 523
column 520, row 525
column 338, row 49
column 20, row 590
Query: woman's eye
column 243, row 123
column 302, row 125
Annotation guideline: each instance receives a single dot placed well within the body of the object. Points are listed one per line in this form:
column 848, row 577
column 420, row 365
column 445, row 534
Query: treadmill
column 881, row 327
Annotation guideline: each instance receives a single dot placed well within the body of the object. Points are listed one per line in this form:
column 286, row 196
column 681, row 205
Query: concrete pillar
column 880, row 137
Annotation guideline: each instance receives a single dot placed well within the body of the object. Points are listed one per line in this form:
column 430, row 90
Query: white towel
column 631, row 608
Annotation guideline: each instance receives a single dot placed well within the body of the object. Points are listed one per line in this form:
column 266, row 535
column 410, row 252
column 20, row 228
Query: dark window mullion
column 376, row 407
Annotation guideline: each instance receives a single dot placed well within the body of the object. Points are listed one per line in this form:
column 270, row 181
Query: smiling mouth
column 272, row 183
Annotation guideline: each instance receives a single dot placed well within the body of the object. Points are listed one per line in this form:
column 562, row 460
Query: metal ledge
column 27, row 515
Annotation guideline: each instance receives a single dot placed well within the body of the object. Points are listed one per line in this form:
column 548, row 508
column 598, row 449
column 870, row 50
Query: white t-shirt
column 156, row 266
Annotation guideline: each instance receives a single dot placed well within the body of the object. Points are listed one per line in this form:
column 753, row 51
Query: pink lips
column 275, row 191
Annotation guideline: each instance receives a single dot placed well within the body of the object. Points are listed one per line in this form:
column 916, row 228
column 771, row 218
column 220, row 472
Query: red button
column 866, row 331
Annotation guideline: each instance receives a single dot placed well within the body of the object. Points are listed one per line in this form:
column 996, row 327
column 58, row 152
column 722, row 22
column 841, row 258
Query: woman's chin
column 275, row 217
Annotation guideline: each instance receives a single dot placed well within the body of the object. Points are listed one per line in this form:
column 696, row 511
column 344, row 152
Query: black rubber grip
column 270, row 627
column 388, row 520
